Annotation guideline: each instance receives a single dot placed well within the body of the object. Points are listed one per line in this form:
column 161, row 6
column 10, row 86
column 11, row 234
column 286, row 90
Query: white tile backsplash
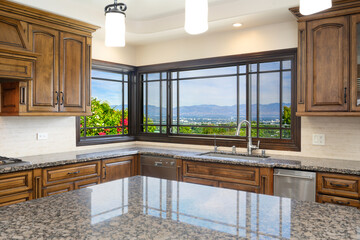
column 18, row 137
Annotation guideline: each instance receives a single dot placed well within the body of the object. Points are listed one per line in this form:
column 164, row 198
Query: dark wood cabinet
column 328, row 79
column 15, row 187
column 57, row 189
column 252, row 179
column 66, row 178
column 338, row 189
column 117, row 168
column 49, row 58
column 72, row 72
column 44, row 87
column 328, row 65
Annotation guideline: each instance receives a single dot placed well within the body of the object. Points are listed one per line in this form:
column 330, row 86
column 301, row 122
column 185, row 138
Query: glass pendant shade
column 196, row 16
column 308, row 7
column 115, row 29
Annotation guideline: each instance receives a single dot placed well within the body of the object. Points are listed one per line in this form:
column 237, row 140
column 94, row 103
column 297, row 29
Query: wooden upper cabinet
column 355, row 62
column 72, row 72
column 47, row 60
column 43, row 90
column 12, row 34
column 328, row 64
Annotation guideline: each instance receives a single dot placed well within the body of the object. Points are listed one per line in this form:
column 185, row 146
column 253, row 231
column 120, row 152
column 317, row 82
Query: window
column 189, row 104
column 109, row 104
column 155, row 107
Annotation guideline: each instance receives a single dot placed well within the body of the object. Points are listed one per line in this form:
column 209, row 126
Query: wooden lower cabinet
column 57, row 189
column 117, row 168
column 251, row 179
column 86, row 183
column 337, row 200
column 338, row 189
column 15, row 198
column 16, row 187
column 201, row 181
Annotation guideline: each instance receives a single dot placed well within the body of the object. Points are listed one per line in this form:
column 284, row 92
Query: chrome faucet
column 250, row 146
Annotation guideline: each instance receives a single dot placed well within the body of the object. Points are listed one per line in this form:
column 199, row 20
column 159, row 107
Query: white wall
column 258, row 39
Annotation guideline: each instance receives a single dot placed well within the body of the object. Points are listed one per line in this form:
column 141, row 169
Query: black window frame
column 116, row 68
column 292, row 144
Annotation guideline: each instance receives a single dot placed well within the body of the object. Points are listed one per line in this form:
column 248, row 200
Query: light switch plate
column 42, row 136
column 319, row 139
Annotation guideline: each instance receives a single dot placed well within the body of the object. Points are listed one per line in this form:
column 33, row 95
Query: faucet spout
column 250, row 146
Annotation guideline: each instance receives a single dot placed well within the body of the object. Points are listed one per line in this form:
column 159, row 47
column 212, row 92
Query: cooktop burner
column 8, row 161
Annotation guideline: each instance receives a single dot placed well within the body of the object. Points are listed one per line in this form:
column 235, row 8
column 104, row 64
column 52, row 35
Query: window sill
column 103, row 140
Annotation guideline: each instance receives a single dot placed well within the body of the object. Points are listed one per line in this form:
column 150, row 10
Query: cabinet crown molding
column 37, row 14
column 340, row 7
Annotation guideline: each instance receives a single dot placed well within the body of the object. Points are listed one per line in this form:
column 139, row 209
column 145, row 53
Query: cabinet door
column 43, row 90
column 72, row 72
column 117, row 168
column 57, row 189
column 328, row 65
column 355, row 62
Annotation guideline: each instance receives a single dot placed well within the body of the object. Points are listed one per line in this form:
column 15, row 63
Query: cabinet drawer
column 221, row 172
column 15, row 198
column 70, row 173
column 201, row 181
column 337, row 200
column 14, row 68
column 339, row 185
column 57, row 189
column 239, row 187
column 86, row 183
column 15, row 182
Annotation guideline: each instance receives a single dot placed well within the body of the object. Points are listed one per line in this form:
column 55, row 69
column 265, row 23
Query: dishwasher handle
column 294, row 176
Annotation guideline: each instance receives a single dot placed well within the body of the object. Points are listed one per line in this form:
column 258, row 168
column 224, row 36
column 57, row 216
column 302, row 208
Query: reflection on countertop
column 152, row 208
column 279, row 161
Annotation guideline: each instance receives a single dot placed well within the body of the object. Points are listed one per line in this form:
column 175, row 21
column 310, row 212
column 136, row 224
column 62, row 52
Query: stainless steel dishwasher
column 160, row 167
column 299, row 185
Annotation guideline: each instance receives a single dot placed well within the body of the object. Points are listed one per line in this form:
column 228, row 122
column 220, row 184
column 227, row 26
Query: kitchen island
column 151, row 208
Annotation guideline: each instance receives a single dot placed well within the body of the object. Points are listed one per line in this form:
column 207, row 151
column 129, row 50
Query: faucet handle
column 258, row 144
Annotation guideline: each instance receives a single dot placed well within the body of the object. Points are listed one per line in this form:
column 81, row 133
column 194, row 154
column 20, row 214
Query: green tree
column 104, row 116
column 286, row 115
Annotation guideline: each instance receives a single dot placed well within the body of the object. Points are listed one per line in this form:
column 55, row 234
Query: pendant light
column 115, row 24
column 308, row 7
column 196, row 16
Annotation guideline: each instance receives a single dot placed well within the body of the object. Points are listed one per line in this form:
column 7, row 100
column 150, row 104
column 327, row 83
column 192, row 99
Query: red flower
column 126, row 121
column 102, row 133
column 81, row 125
column 107, row 130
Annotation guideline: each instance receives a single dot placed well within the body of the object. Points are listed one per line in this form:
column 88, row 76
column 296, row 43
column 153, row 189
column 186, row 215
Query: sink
column 234, row 155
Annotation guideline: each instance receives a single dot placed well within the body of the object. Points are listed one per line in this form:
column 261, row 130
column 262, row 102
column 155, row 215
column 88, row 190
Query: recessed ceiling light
column 237, row 25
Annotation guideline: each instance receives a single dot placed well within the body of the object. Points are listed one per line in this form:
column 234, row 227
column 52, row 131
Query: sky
column 219, row 91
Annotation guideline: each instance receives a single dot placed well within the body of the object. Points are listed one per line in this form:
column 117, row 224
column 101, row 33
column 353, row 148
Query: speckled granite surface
column 290, row 162
column 151, row 208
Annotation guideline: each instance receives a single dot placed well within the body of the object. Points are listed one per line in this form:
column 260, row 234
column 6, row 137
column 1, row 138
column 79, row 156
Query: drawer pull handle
column 339, row 185
column 340, row 202
column 158, row 164
column 70, row 173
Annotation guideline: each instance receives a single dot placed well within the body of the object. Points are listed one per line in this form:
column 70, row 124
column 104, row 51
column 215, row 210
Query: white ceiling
column 158, row 20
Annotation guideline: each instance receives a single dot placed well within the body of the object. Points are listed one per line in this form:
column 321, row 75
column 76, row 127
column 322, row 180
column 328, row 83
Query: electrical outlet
column 42, row 136
column 319, row 139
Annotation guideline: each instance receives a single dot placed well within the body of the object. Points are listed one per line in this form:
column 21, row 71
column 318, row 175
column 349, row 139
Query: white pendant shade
column 196, row 16
column 308, row 7
column 115, row 29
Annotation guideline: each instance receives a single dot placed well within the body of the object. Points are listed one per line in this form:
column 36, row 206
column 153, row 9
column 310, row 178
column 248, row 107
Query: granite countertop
column 278, row 161
column 152, row 208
